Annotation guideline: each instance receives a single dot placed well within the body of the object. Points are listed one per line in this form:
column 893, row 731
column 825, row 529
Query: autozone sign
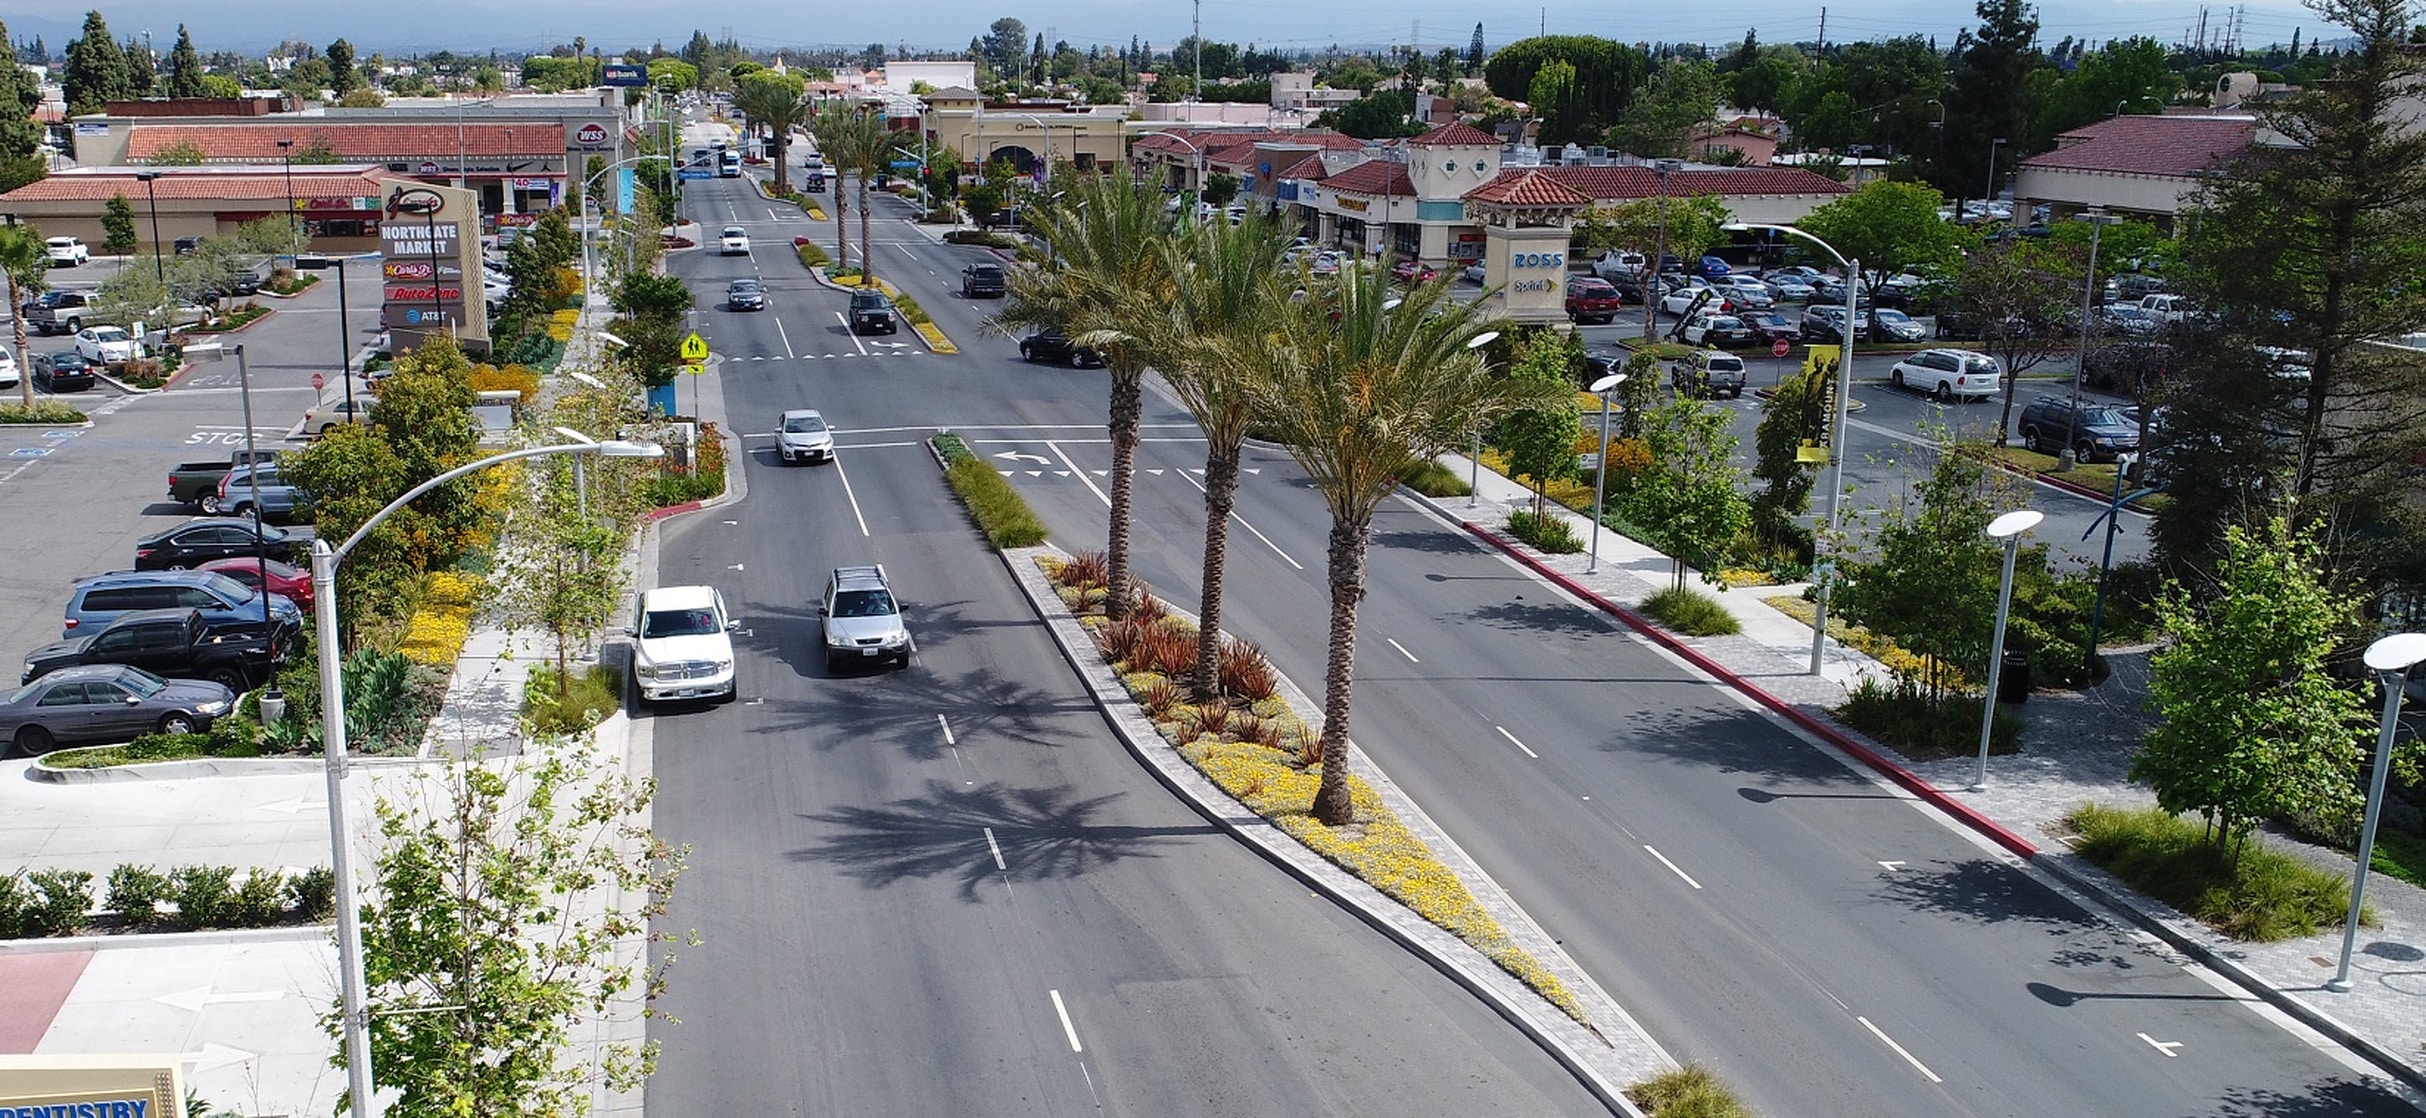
column 424, row 293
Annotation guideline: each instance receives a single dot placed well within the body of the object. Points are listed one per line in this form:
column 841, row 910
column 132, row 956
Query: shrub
column 205, row 895
column 1167, row 649
column 1086, row 570
column 135, row 893
column 1435, row 480
column 489, row 378
column 1247, row 673
column 1160, row 696
column 596, row 692
column 44, row 903
column 1691, row 612
column 258, row 901
column 981, row 237
column 997, row 508
column 811, row 256
column 1688, row 1092
column 312, row 894
column 1548, row 533
column 1902, row 716
column 2245, row 890
column 47, row 411
column 1205, row 720
column 701, row 480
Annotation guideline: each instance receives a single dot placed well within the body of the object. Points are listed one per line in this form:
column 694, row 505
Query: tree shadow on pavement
column 1549, row 615
column 1041, row 833
column 2333, row 1098
column 1984, row 892
column 1683, row 721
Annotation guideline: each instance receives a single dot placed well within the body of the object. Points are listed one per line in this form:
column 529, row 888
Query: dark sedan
column 1769, row 326
column 746, row 295
column 1052, row 346
column 106, row 703
column 196, row 542
column 62, row 372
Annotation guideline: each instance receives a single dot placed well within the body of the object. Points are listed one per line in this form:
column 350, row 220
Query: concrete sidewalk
column 2076, row 749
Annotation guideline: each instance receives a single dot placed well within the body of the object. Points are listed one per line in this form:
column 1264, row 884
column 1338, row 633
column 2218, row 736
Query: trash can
column 2013, row 679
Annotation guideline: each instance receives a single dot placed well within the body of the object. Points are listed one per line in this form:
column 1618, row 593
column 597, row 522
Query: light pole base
column 2064, row 461
column 1976, row 786
column 2338, row 985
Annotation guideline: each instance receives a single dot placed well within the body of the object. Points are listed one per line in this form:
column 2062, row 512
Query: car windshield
column 108, row 334
column 1885, row 315
column 678, row 623
column 1723, row 323
column 863, row 603
column 227, row 588
column 141, row 682
column 985, row 271
column 2104, row 417
column 734, row 231
column 808, row 424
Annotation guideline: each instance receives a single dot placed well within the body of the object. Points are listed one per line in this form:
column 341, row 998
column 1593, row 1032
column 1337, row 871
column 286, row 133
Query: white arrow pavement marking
column 1006, row 473
column 2165, row 1046
column 996, row 847
column 290, row 807
column 736, row 566
column 1892, row 866
column 1253, row 469
column 1017, row 456
column 193, row 1000
column 1033, row 473
column 213, row 1057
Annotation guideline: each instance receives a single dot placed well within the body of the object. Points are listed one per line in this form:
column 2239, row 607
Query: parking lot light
column 2391, row 658
column 2008, row 530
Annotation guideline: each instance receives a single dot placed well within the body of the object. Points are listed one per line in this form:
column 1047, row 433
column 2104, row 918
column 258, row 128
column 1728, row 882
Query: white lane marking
column 1899, row 1050
column 1891, row 867
column 1503, row 732
column 1402, row 650
column 2165, row 1046
column 771, row 214
column 948, row 739
column 1066, row 1027
column 853, row 334
column 1082, row 476
column 852, row 497
column 1242, row 522
column 905, row 251
column 1663, row 860
column 996, row 847
column 786, row 335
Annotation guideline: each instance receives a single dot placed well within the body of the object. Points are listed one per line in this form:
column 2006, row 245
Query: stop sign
column 317, row 381
column 1778, row 348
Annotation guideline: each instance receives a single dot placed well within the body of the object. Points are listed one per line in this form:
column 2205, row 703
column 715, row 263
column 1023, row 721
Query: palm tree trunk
column 1128, row 403
column 842, row 223
column 25, row 361
column 867, row 246
column 783, row 180
column 1349, row 538
column 1221, row 494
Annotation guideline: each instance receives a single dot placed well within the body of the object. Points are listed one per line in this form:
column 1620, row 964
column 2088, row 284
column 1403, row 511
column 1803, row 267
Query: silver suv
column 861, row 619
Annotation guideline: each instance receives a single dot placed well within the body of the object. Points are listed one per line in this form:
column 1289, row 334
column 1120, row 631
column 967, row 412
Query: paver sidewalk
column 2076, row 749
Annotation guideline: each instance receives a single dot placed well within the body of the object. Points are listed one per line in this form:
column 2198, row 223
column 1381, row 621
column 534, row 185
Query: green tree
column 1692, row 223
column 1380, row 115
column 1606, row 75
column 2130, row 75
column 20, row 133
column 1220, row 188
column 1006, row 48
column 142, row 71
column 673, row 75
column 1986, row 94
column 118, row 226
column 1930, row 583
column 320, row 151
column 184, row 67
column 96, row 69
column 1690, row 499
column 2019, row 293
column 2253, row 725
column 1555, row 98
column 224, row 87
column 1794, row 415
column 183, row 153
column 1660, row 122
column 503, row 903
column 858, row 139
column 1540, row 440
column 1889, row 227
column 773, row 105
column 27, row 265
column 343, row 77
column 560, row 573
column 1361, row 383
column 1104, row 253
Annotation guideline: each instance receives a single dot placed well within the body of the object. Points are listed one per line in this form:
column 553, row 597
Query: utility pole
column 1198, row 94
column 1819, row 51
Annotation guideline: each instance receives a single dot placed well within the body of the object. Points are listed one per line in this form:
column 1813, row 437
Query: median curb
column 198, row 768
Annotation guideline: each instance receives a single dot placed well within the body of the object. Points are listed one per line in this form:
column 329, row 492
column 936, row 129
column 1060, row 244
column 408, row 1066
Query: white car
column 804, row 436
column 1787, row 288
column 66, row 252
column 8, row 369
column 1474, row 273
column 1948, row 374
column 105, row 345
column 682, row 645
column 1613, row 263
column 320, row 418
column 735, row 242
column 1681, row 295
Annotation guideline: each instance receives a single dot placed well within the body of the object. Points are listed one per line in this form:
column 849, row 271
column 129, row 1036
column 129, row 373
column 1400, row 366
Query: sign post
column 1778, row 349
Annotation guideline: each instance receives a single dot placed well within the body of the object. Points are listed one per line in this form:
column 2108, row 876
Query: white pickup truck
column 1612, row 263
column 2165, row 308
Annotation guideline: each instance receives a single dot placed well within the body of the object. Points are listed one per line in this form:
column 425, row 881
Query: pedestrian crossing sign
column 694, row 349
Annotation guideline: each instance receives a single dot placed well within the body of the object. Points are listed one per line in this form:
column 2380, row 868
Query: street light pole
column 2098, row 219
column 147, row 178
column 2008, row 529
column 286, row 156
column 2391, row 657
column 1659, row 252
column 1992, row 146
column 1600, row 475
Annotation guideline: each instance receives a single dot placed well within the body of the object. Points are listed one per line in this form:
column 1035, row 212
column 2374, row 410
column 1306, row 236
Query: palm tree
column 1106, row 260
column 836, row 128
column 872, row 147
column 1362, row 385
column 773, row 102
column 1222, row 297
column 28, row 266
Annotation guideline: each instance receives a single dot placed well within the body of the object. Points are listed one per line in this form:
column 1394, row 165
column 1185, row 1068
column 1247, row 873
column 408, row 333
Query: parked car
column 280, row 499
column 10, row 375
column 1686, row 298
column 1948, row 374
column 1745, row 292
column 682, row 645
column 2127, row 367
column 1414, row 271
column 803, row 436
column 199, row 541
column 57, row 312
column 1721, row 330
column 2095, row 431
column 861, row 620
column 175, row 643
column 62, row 372
column 1786, row 288
column 2127, row 321
column 1591, row 300
column 197, row 483
column 1769, row 326
column 1890, row 325
column 1711, row 267
column 187, row 246
column 1611, row 263
column 96, row 600
column 1474, row 273
column 282, row 579
column 327, row 415
column 100, row 703
column 2131, row 287
column 1708, row 374
column 1326, row 263
column 745, row 295
column 2166, row 308
column 1051, row 345
column 735, row 241
column 66, row 252
column 105, row 345
column 983, row 281
column 872, row 313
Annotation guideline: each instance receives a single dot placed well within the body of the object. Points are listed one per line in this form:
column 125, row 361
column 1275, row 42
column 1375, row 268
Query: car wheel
column 210, row 504
column 325, row 428
column 177, row 722
column 75, row 325
column 2085, row 452
column 1945, row 393
column 1895, row 377
column 1026, row 354
column 32, row 740
column 2030, row 438
column 174, row 565
column 241, row 511
column 229, row 678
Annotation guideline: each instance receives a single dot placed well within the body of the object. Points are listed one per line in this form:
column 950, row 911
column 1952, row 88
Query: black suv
column 981, row 281
column 1056, row 347
column 2096, row 431
column 872, row 313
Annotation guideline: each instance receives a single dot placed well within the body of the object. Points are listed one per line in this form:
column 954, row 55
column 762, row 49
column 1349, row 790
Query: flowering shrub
column 490, row 378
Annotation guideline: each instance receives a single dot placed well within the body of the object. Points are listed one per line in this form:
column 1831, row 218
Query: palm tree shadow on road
column 1041, row 832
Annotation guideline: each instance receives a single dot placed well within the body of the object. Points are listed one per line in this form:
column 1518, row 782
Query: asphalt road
column 948, row 890
column 81, row 498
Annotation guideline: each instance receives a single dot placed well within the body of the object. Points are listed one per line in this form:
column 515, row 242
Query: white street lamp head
column 624, row 448
column 2014, row 523
column 587, row 379
column 612, row 340
column 2397, row 653
column 1483, row 339
column 1608, row 382
column 573, row 435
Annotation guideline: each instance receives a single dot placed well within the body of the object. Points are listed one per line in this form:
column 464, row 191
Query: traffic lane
column 1159, row 964
column 1417, row 706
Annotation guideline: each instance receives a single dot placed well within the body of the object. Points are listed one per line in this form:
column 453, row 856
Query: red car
column 1414, row 271
column 1593, row 300
column 283, row 578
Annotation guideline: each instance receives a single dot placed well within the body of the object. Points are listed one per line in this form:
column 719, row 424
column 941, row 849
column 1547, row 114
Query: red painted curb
column 676, row 510
column 1962, row 812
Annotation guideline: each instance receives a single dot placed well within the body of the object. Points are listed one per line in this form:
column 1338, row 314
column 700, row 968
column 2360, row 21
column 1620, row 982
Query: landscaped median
column 910, row 311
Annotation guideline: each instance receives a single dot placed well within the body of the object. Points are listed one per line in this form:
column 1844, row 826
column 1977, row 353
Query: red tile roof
column 1311, row 167
column 1373, row 176
column 257, row 141
column 1456, row 133
column 97, row 184
column 1627, row 183
column 1528, row 186
column 2173, row 146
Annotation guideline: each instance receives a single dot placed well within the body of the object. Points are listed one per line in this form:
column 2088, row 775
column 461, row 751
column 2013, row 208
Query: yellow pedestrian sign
column 694, row 349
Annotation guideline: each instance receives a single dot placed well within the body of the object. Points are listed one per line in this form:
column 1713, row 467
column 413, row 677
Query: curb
column 257, row 320
column 85, row 425
column 166, row 939
column 131, row 390
column 296, row 294
column 195, row 768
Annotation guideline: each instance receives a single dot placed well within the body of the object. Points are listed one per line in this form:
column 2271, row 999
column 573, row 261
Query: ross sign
column 1779, row 348
column 694, row 349
column 624, row 75
column 406, row 237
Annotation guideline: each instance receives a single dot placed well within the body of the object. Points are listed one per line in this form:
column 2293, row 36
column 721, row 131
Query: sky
column 480, row 25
